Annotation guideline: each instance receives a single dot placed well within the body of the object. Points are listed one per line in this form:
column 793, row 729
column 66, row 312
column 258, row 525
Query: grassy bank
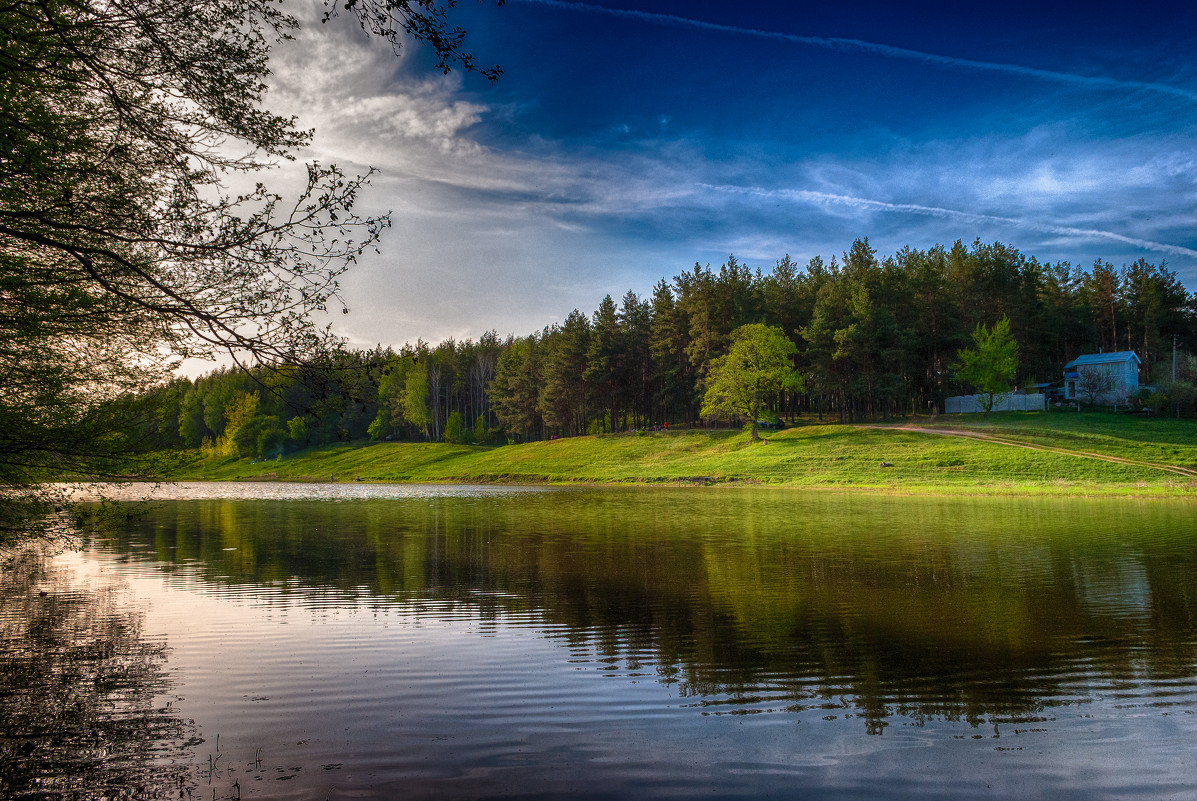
column 1162, row 440
column 1057, row 453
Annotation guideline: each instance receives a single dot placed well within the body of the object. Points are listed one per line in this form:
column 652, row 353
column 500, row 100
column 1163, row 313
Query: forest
column 875, row 338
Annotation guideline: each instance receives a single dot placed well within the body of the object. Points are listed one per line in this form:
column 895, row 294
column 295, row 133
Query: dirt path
column 956, row 432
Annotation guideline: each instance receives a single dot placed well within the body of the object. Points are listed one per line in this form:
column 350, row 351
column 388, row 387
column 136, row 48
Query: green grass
column 808, row 455
column 1163, row 440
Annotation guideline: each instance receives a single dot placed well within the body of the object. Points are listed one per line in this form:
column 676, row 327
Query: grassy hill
column 1055, row 453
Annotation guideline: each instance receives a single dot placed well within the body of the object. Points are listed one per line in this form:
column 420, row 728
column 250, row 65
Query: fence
column 969, row 404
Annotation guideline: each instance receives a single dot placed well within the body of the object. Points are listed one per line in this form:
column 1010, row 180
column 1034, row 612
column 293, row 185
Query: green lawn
column 809, row 455
column 1163, row 440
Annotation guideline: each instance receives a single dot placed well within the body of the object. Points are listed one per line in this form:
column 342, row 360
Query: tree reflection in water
column 83, row 713
column 978, row 610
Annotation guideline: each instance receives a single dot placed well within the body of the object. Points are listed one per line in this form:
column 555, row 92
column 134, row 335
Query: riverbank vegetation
column 1058, row 453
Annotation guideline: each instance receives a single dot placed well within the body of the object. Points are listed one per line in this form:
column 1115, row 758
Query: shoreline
column 1094, row 455
column 1158, row 492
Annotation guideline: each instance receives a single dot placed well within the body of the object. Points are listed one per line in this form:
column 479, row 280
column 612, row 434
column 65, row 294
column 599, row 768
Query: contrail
column 860, row 46
column 826, row 198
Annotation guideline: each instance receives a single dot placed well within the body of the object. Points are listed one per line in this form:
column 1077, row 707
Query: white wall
column 968, row 404
column 1125, row 376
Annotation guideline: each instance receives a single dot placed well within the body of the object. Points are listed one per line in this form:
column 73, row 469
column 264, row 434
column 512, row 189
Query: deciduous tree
column 1093, row 383
column 755, row 370
column 122, row 247
column 990, row 367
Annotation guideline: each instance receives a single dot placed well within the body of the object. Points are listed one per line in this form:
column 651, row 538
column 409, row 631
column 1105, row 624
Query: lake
column 350, row 641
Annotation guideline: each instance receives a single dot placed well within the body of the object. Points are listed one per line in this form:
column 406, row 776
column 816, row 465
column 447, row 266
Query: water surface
column 368, row 641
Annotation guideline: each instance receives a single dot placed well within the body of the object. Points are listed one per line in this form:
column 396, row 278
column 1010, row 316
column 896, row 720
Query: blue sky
column 628, row 140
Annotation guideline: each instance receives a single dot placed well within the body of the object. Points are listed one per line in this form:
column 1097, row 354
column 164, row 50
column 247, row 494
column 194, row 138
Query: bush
column 260, row 436
column 297, row 430
column 271, row 440
column 455, row 430
column 1157, row 402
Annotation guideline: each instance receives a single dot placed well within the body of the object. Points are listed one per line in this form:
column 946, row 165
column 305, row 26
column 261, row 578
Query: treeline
column 420, row 392
column 875, row 338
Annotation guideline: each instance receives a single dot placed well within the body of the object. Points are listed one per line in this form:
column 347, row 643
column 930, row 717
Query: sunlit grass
column 1162, row 440
column 808, row 455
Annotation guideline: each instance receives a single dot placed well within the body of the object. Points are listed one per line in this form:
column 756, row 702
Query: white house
column 1102, row 377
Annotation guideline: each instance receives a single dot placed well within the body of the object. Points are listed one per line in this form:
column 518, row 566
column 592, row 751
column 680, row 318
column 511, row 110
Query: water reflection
column 82, row 712
column 984, row 610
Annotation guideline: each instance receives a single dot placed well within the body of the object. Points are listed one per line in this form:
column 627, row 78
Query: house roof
column 1103, row 358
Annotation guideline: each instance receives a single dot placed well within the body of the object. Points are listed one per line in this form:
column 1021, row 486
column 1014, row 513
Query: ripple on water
column 476, row 642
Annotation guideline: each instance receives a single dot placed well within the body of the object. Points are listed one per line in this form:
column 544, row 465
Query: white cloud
column 522, row 239
column 363, row 101
column 513, row 239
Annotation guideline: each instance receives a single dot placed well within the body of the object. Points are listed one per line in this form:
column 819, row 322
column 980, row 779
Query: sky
column 628, row 140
